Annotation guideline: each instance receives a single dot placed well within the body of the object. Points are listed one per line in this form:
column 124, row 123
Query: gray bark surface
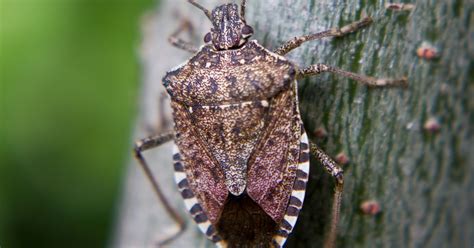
column 424, row 181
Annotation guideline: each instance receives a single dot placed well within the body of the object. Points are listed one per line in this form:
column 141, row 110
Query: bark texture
column 423, row 180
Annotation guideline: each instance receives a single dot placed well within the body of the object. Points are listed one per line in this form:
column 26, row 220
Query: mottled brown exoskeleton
column 241, row 154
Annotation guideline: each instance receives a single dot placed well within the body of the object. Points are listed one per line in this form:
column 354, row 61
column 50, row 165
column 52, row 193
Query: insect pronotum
column 241, row 154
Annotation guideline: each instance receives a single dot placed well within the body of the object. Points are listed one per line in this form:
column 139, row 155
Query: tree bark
column 422, row 179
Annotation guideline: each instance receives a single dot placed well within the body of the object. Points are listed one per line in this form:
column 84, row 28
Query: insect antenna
column 206, row 11
column 242, row 9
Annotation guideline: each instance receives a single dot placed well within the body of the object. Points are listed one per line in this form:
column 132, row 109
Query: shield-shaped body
column 241, row 156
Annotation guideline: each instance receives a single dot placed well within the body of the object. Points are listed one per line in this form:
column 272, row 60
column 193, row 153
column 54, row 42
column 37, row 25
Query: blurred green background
column 69, row 76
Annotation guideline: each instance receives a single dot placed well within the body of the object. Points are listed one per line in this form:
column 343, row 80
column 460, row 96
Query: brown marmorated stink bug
column 241, row 154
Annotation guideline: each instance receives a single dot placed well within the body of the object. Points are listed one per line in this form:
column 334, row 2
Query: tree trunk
column 423, row 180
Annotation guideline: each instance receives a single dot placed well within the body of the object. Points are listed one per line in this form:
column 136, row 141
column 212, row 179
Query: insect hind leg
column 147, row 144
column 336, row 171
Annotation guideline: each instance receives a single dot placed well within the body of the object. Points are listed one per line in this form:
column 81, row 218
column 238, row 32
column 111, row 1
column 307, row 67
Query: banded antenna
column 242, row 9
column 206, row 11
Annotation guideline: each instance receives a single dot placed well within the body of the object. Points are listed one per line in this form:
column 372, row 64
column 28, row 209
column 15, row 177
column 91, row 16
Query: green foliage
column 69, row 79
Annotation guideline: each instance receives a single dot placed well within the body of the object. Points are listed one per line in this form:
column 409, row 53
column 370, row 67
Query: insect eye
column 207, row 38
column 247, row 30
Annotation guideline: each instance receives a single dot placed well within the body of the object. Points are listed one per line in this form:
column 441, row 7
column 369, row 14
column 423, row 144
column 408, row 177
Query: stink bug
column 241, row 154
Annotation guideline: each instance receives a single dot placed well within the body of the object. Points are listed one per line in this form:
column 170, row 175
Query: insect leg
column 146, row 144
column 370, row 81
column 334, row 32
column 336, row 171
column 164, row 122
column 178, row 42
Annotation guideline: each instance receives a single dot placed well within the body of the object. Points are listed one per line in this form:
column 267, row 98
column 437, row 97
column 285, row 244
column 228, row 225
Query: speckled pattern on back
column 235, row 113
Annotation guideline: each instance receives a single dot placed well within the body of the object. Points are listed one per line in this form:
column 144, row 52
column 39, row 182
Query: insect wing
column 272, row 169
column 206, row 178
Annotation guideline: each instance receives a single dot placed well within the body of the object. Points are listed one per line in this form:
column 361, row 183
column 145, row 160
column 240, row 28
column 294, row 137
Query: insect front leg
column 336, row 171
column 370, row 81
column 178, row 42
column 334, row 32
column 146, row 144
